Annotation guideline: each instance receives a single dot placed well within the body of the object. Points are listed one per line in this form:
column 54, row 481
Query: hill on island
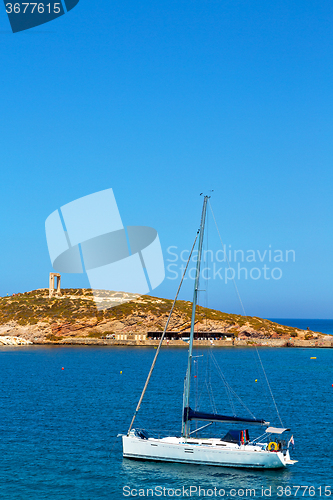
column 34, row 316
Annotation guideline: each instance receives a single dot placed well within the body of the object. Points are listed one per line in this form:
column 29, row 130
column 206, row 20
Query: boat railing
column 157, row 433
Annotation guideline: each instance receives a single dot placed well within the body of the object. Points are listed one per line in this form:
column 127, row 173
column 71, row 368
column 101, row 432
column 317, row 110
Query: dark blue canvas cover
column 190, row 414
column 233, row 436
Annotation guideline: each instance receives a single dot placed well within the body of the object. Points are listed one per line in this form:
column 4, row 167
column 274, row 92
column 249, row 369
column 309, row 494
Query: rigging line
column 162, row 336
column 210, row 394
column 200, row 391
column 269, row 387
column 226, row 385
column 210, row 381
column 196, row 385
column 225, row 253
column 209, row 389
column 240, row 300
column 264, row 385
column 232, row 390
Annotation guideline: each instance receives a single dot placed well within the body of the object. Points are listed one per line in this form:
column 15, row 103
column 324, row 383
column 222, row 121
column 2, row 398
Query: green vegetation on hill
column 77, row 306
column 31, row 307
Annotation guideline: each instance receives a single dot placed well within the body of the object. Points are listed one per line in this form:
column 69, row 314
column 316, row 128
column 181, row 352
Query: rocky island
column 73, row 318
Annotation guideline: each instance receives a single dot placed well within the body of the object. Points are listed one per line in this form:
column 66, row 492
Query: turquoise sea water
column 315, row 325
column 58, row 427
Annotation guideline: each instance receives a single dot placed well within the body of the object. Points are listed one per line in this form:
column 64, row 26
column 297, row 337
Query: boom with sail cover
column 190, row 414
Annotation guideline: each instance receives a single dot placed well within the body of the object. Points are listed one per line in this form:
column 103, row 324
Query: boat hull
column 160, row 450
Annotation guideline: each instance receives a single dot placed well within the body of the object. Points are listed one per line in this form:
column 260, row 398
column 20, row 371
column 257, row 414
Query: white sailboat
column 233, row 450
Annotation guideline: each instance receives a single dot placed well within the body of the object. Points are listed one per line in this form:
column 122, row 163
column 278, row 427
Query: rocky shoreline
column 10, row 340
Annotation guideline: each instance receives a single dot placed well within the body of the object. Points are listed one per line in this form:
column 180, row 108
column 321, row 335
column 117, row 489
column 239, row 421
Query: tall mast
column 186, row 424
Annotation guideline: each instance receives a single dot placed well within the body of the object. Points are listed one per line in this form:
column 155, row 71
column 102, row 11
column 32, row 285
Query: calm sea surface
column 58, row 427
column 315, row 325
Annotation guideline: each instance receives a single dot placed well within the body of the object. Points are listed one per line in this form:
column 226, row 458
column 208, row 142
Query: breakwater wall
column 203, row 343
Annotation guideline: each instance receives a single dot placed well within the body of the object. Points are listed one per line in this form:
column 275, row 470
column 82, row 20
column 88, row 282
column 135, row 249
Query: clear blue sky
column 161, row 101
